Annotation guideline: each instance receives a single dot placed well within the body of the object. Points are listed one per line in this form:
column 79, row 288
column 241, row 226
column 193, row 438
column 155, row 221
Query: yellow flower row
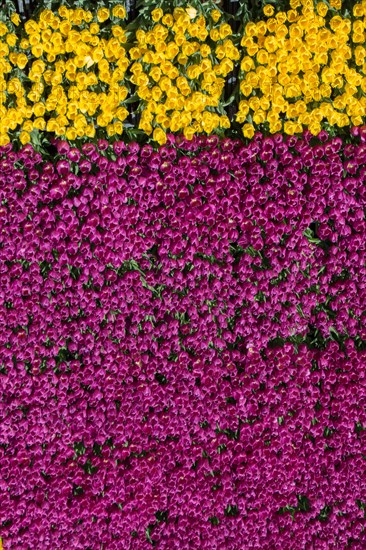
column 76, row 73
column 302, row 67
column 179, row 71
column 71, row 73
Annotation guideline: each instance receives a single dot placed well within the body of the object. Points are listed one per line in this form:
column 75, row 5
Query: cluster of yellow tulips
column 72, row 73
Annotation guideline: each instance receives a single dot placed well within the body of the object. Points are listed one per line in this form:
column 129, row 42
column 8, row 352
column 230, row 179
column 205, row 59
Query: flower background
column 182, row 310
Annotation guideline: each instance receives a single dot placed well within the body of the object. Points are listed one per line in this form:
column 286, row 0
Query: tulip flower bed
column 182, row 344
column 183, row 314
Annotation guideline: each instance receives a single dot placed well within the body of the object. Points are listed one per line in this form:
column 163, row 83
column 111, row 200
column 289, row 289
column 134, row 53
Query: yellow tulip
column 71, row 134
column 31, row 27
column 159, row 136
column 63, row 12
column 39, row 109
column 225, row 30
column 189, row 132
column 248, row 130
column 268, row 10
column 215, row 15
column 4, row 139
column 103, row 15
column 191, row 12
column 15, row 19
column 336, row 4
column 262, row 27
column 24, row 138
column 118, row 128
column 359, row 10
column 119, row 11
column 171, row 50
column 21, row 61
column 168, row 20
column 11, row 39
column 28, row 126
column 262, row 57
column 157, row 14
column 246, row 89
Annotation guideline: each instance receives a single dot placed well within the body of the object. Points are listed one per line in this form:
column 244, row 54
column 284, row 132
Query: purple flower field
column 183, row 345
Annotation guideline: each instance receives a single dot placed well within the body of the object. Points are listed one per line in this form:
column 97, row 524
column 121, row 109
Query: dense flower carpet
column 183, row 277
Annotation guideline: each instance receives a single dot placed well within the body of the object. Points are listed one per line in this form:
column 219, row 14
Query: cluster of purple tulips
column 183, row 343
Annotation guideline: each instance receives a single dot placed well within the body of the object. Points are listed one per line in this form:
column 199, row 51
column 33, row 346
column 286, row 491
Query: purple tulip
column 74, row 155
column 63, row 167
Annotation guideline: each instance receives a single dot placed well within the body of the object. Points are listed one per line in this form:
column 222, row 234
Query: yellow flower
column 11, row 39
column 28, row 126
column 315, row 128
column 259, row 117
column 15, row 19
column 225, row 30
column 31, row 27
column 268, row 10
column 156, row 93
column 121, row 113
column 63, row 12
column 336, row 4
column 292, row 17
column 248, row 130
column 3, row 29
column 22, row 60
column 246, row 89
column 4, row 140
column 193, row 72
column 155, row 73
column 357, row 120
column 14, row 86
column 262, row 27
column 262, row 57
column 270, row 44
column 159, row 136
column 322, row 9
column 140, row 36
column 102, row 14
column 157, row 14
column 24, row 138
column 119, row 11
column 225, row 67
column 46, row 16
column 215, row 35
column 224, row 122
column 275, row 127
column 205, row 50
column 172, row 50
column 118, row 127
column 220, row 52
column 189, row 132
column 119, row 33
column 165, row 83
column 215, row 15
column 168, row 20
column 71, row 134
column 24, row 44
column 247, row 64
column 359, row 10
column 289, row 127
column 39, row 109
column 254, row 103
column 191, row 12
